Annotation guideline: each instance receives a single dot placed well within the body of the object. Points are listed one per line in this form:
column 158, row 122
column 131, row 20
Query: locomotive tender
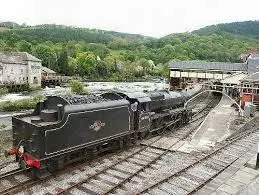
column 70, row 128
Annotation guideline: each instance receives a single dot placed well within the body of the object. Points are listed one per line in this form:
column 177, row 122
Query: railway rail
column 192, row 177
column 206, row 109
column 4, row 164
column 12, row 172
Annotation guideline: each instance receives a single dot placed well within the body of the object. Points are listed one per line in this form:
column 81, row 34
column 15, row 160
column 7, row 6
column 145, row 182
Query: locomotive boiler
column 70, row 128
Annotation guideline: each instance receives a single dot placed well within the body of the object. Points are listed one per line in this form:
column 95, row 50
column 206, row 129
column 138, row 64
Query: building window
column 246, row 88
column 35, row 80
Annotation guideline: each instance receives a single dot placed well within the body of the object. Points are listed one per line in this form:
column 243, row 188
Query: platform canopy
column 234, row 79
column 252, row 78
column 201, row 65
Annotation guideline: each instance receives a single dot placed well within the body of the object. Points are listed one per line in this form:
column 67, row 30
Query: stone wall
column 14, row 73
column 34, row 73
column 21, row 74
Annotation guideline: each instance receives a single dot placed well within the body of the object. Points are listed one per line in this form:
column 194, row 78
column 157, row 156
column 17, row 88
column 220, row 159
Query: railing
column 225, row 86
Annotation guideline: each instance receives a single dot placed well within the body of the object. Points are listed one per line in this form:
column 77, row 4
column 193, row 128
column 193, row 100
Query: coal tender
column 71, row 128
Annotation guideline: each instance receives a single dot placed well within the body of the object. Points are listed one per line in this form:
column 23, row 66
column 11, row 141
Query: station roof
column 252, row 78
column 223, row 66
column 234, row 79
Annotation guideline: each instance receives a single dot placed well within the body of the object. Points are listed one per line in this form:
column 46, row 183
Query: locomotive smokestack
column 60, row 111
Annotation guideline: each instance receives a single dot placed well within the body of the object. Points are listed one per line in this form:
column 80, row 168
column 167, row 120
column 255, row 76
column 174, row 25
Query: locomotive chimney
column 60, row 111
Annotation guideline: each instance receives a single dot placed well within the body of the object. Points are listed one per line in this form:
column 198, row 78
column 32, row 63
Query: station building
column 242, row 77
column 184, row 72
column 250, row 90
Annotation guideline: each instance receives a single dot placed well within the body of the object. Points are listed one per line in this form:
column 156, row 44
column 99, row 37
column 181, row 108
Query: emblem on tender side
column 134, row 106
column 97, row 125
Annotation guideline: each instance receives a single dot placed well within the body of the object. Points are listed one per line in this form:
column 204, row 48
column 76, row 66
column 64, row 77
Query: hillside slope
column 60, row 33
column 249, row 29
column 102, row 54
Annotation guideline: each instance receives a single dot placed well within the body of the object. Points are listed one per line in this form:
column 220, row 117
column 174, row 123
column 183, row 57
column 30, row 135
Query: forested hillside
column 111, row 55
column 249, row 29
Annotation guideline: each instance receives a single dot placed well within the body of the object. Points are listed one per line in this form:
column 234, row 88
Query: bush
column 3, row 91
column 77, row 87
column 38, row 98
column 25, row 104
column 34, row 88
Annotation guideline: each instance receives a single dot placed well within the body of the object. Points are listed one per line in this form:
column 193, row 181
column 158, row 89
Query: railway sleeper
column 224, row 157
column 183, row 183
column 213, row 165
column 200, row 173
column 172, row 188
column 192, row 177
column 238, row 148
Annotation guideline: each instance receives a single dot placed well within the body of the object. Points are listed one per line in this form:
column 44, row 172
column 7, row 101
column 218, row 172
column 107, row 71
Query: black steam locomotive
column 66, row 129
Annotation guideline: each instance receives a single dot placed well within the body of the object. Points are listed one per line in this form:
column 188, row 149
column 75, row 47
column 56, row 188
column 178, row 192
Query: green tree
column 47, row 55
column 102, row 69
column 98, row 49
column 63, row 63
column 86, row 62
column 24, row 46
column 145, row 65
column 112, row 60
column 72, row 66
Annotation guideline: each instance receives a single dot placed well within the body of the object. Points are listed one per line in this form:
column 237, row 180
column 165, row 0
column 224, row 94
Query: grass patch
column 19, row 105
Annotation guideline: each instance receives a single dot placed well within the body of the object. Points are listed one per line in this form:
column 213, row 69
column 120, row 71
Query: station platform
column 239, row 178
column 215, row 128
column 192, row 89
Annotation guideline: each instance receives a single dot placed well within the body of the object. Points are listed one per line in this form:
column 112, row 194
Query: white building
column 19, row 68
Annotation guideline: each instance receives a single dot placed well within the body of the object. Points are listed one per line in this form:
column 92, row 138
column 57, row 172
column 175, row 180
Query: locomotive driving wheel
column 160, row 125
column 34, row 173
column 144, row 135
column 22, row 163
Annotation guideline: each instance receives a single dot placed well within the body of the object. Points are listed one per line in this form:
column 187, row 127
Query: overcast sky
column 148, row 17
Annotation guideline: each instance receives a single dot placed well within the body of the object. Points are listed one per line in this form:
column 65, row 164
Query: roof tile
column 17, row 58
column 225, row 66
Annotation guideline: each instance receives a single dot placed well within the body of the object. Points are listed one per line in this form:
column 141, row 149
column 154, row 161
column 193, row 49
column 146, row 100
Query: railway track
column 151, row 154
column 206, row 109
column 192, row 177
column 14, row 179
column 4, row 164
column 115, row 176
column 11, row 173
